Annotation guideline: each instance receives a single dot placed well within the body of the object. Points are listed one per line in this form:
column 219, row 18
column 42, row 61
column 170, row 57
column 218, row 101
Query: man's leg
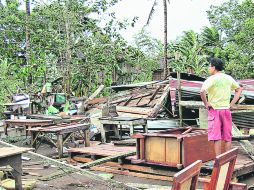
column 217, row 147
column 228, row 146
column 227, row 128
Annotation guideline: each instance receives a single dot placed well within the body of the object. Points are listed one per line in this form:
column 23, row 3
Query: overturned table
column 113, row 122
column 63, row 133
column 12, row 156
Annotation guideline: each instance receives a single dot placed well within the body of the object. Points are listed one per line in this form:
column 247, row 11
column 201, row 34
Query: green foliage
column 8, row 82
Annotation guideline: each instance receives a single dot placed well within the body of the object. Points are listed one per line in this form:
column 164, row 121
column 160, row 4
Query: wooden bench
column 28, row 123
column 63, row 133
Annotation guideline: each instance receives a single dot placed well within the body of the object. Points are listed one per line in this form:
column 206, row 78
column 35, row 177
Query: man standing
column 219, row 87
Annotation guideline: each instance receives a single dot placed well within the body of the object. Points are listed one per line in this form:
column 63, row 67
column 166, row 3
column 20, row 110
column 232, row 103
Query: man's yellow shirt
column 219, row 87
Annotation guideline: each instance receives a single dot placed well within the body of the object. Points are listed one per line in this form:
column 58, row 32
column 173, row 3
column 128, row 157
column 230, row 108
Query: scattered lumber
column 135, row 110
column 131, row 167
column 106, row 159
column 134, row 174
column 160, row 103
column 247, row 146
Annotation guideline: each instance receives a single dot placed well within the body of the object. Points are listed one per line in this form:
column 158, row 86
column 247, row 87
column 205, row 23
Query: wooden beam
column 199, row 104
column 154, row 111
column 96, row 93
column 106, row 159
column 243, row 137
column 128, row 100
column 179, row 98
column 155, row 93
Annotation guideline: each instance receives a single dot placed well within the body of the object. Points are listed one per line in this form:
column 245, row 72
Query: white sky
column 182, row 15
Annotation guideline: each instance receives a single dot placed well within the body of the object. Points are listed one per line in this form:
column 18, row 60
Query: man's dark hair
column 217, row 63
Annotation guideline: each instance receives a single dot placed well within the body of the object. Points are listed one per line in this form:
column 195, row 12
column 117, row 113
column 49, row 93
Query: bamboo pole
column 179, row 98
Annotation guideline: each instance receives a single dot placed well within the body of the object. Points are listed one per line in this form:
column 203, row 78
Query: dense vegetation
column 80, row 42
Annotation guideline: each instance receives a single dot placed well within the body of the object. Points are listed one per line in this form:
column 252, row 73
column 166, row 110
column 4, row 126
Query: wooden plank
column 155, row 149
column 136, row 110
column 7, row 151
column 199, row 104
column 134, row 174
column 110, row 158
column 96, row 93
column 172, row 151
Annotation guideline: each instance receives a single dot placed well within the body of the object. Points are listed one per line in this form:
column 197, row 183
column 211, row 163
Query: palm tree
column 165, row 31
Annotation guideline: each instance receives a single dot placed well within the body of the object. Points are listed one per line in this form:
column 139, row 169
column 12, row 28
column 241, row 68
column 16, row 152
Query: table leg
column 145, row 128
column 121, row 132
column 16, row 163
column 60, row 145
column 87, row 137
column 103, row 134
column 5, row 129
column 34, row 140
column 27, row 129
column 116, row 131
column 131, row 130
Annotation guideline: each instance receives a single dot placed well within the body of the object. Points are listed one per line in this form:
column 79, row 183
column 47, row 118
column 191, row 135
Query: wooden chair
column 187, row 178
column 222, row 173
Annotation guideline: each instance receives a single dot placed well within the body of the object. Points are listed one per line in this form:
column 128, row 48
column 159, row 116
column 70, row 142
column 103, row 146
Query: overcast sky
column 182, row 15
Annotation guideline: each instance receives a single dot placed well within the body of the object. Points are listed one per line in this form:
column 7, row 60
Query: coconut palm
column 155, row 3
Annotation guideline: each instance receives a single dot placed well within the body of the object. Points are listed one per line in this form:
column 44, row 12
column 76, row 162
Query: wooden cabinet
column 174, row 147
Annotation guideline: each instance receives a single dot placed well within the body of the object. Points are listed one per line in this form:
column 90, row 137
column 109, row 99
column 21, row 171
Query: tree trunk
column 68, row 54
column 165, row 39
column 28, row 37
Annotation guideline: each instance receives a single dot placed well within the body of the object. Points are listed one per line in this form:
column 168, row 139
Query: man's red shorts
column 219, row 124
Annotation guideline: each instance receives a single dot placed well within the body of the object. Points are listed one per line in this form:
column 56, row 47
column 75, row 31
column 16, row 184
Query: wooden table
column 63, row 132
column 58, row 119
column 107, row 123
column 28, row 123
column 12, row 157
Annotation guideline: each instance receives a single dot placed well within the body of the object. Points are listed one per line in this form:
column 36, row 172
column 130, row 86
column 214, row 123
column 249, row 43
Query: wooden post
column 131, row 129
column 179, row 98
column 60, row 145
column 87, row 137
column 142, row 149
column 34, row 139
column 103, row 134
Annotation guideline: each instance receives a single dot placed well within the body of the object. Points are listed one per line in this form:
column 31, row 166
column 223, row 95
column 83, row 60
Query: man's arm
column 204, row 99
column 237, row 95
